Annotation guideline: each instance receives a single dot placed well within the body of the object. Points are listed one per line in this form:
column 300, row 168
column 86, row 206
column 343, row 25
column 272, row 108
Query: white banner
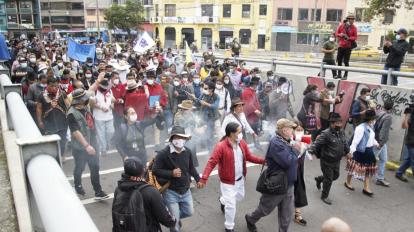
column 144, row 43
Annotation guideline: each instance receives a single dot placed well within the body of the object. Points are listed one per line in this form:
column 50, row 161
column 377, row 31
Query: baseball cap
column 402, row 31
column 133, row 167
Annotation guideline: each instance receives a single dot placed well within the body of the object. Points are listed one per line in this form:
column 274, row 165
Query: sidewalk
column 8, row 220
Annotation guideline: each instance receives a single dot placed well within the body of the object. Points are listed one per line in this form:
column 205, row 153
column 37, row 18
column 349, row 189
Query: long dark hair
column 309, row 89
column 230, row 128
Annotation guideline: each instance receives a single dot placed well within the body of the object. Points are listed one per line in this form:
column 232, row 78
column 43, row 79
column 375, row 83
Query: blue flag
column 80, row 52
column 4, row 52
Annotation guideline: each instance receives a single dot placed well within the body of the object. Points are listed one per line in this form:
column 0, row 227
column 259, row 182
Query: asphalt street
column 390, row 210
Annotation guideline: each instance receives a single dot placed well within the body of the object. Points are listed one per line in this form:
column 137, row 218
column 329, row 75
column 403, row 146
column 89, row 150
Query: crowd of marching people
column 109, row 101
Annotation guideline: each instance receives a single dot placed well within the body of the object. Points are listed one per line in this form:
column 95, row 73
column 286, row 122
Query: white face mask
column 196, row 81
column 298, row 136
column 116, row 81
column 133, row 117
column 367, row 98
column 139, row 83
column 332, row 39
column 239, row 137
column 176, row 83
column 219, row 87
column 88, row 75
column 179, row 143
column 271, row 78
column 150, row 82
column 226, row 81
column 397, row 37
column 23, row 65
column 60, row 65
column 206, row 92
column 32, row 60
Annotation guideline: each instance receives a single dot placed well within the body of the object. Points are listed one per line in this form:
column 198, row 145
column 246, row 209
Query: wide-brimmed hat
column 132, row 85
column 235, row 102
column 350, row 16
column 283, row 123
column 186, row 105
column 79, row 96
column 179, row 131
column 104, row 84
column 334, row 117
column 370, row 115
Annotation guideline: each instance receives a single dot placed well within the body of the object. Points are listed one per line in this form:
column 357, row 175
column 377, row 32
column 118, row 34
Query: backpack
column 152, row 179
column 128, row 213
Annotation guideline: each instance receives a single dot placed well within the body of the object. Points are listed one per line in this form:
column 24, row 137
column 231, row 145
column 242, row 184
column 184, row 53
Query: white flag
column 118, row 48
column 144, row 43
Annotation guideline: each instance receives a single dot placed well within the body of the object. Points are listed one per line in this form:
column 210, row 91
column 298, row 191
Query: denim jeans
column 394, row 78
column 408, row 160
column 181, row 206
column 104, row 132
column 81, row 157
column 383, row 157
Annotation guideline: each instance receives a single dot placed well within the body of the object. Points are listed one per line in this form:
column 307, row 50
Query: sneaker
column 250, row 226
column 382, row 183
column 101, row 196
column 402, row 178
column 326, row 200
column 229, row 230
column 79, row 190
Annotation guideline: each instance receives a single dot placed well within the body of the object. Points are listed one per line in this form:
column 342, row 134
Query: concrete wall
column 380, row 93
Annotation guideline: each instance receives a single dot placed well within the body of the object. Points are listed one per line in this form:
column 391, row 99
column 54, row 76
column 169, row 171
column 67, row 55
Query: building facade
column 303, row 25
column 19, row 17
column 213, row 23
column 62, row 15
column 372, row 33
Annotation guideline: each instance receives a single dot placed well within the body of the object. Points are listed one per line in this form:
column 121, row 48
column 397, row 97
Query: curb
column 393, row 167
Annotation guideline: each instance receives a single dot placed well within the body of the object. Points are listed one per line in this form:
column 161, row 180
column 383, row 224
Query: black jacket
column 396, row 53
column 166, row 162
column 155, row 210
column 330, row 146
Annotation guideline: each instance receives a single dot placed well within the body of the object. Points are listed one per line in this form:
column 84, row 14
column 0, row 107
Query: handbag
column 310, row 122
column 273, row 183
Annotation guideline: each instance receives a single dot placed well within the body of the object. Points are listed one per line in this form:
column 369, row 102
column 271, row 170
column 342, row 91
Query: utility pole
column 314, row 25
column 97, row 20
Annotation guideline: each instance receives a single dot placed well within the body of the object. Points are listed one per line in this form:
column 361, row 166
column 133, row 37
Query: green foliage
column 379, row 7
column 126, row 17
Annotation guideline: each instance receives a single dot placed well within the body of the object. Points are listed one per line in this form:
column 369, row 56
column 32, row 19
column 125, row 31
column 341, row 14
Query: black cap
column 402, row 31
column 180, row 131
column 133, row 166
column 334, row 117
column 254, row 81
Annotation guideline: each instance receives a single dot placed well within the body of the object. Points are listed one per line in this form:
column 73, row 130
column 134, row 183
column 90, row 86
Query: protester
column 279, row 156
column 131, row 193
column 231, row 154
column 229, row 86
column 136, row 97
column 157, row 101
column 360, row 106
column 330, row 147
column 279, row 100
column 235, row 79
column 34, row 92
column 84, row 143
column 396, row 51
column 408, row 150
column 329, row 48
column 225, row 100
column 307, row 114
column 174, row 164
column 237, row 115
column 363, row 166
column 382, row 129
column 329, row 101
column 118, row 92
column 347, row 34
column 252, row 106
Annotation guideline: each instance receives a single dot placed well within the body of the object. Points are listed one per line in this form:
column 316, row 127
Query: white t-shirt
column 103, row 102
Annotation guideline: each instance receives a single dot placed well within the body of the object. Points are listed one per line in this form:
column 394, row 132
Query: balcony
column 11, row 10
column 186, row 20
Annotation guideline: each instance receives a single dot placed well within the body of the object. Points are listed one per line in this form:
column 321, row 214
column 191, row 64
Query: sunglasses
column 205, row 88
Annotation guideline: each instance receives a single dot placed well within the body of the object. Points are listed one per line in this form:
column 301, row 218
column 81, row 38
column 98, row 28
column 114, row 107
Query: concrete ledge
column 394, row 166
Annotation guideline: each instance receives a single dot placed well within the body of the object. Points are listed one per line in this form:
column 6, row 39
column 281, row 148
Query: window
column 318, row 15
column 2, row 22
column 44, row 5
column 263, row 10
column 388, row 16
column 333, row 15
column 170, row 10
column 246, row 11
column 77, row 6
column 90, row 12
column 91, row 24
column 284, row 14
column 103, row 24
column 11, row 4
column 60, row 19
column 26, row 19
column 12, row 18
column 226, row 10
column 306, row 39
column 45, row 20
column 359, row 14
column 245, row 35
column 303, row 15
column 207, row 10
column 58, row 6
column 147, row 2
column 25, row 4
column 78, row 20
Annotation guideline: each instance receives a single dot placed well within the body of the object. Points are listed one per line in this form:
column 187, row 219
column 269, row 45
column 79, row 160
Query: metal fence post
column 389, row 76
column 323, row 70
column 274, row 65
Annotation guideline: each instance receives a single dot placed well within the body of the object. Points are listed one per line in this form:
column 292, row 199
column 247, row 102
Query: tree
column 379, row 7
column 126, row 17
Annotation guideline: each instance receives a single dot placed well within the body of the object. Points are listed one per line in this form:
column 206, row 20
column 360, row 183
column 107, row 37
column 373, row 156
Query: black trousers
column 344, row 55
column 330, row 171
column 81, row 157
column 329, row 62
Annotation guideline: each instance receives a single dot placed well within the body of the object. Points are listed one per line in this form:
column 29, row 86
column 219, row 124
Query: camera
column 341, row 94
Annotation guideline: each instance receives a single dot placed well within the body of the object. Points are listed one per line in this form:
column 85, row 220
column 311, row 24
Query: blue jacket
column 281, row 156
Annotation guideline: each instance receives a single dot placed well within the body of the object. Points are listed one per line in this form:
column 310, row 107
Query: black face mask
column 208, row 66
column 337, row 128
